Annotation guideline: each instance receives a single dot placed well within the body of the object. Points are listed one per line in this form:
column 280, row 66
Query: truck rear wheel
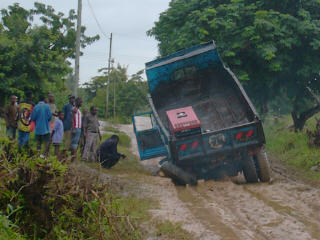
column 263, row 165
column 178, row 175
column 249, row 170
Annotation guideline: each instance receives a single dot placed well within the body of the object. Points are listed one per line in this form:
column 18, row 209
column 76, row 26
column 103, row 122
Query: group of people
column 52, row 127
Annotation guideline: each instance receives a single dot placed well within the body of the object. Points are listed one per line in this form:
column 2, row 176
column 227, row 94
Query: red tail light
column 239, row 135
column 195, row 144
column 183, row 147
column 249, row 133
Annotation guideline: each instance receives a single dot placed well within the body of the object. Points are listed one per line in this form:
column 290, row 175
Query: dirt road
column 230, row 209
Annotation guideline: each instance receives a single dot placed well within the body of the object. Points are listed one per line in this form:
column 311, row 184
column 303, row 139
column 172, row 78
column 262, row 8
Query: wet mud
column 231, row 209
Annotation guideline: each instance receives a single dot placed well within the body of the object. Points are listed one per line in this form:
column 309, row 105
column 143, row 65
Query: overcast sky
column 128, row 20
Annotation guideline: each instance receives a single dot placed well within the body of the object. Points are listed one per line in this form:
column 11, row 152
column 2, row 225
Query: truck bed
column 212, row 95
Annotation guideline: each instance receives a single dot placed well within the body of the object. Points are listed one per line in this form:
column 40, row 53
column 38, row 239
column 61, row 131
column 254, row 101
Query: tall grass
column 2, row 127
column 291, row 147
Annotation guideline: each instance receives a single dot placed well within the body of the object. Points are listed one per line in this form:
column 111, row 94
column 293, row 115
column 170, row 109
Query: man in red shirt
column 76, row 127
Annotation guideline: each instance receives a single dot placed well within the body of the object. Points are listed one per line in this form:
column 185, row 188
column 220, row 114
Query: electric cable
column 96, row 19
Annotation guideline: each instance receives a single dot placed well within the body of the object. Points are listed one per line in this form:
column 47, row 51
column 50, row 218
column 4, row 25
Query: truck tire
column 178, row 175
column 263, row 165
column 249, row 170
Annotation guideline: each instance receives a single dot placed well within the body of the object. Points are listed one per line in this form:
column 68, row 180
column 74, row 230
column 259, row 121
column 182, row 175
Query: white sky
column 128, row 20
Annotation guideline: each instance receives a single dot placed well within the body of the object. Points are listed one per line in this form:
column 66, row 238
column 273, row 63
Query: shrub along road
column 285, row 208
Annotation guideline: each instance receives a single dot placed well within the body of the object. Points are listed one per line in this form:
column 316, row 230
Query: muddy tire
column 249, row 170
column 263, row 165
column 178, row 175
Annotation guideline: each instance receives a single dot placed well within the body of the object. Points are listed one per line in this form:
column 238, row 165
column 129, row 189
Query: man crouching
column 107, row 153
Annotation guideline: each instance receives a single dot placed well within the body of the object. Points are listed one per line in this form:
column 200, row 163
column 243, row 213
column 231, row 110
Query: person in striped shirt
column 76, row 127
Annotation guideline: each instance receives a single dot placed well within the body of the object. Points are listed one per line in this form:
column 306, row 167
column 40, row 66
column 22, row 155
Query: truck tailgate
column 241, row 136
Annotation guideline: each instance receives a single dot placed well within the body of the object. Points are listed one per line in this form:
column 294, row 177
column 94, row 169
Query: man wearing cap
column 67, row 122
column 91, row 133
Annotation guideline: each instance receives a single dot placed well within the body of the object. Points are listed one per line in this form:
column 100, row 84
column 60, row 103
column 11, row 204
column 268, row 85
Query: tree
column 131, row 93
column 36, row 57
column 273, row 46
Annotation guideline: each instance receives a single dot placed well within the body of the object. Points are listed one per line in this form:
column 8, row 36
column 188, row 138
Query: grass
column 8, row 231
column 292, row 148
column 170, row 230
column 111, row 129
column 2, row 127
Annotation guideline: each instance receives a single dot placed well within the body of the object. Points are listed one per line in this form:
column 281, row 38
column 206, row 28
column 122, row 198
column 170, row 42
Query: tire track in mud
column 218, row 220
column 282, row 209
column 247, row 213
column 287, row 211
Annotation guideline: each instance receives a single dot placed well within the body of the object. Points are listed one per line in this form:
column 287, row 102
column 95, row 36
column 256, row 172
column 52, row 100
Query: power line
column 96, row 19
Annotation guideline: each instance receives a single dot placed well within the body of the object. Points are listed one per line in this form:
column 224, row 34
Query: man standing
column 67, row 122
column 24, row 120
column 107, row 153
column 82, row 141
column 91, row 133
column 76, row 127
column 53, row 109
column 41, row 115
column 10, row 116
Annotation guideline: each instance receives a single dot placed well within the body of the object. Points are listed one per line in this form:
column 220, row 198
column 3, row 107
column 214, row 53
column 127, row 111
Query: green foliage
column 273, row 46
column 33, row 56
column 2, row 127
column 46, row 199
column 8, row 231
column 131, row 94
column 172, row 231
column 291, row 148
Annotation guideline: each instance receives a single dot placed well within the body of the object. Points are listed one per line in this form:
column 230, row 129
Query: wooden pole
column 108, row 79
column 114, row 97
column 77, row 60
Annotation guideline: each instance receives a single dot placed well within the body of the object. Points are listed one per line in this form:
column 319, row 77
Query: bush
column 50, row 200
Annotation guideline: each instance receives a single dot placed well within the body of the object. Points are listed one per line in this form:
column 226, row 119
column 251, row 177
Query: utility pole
column 108, row 80
column 77, row 60
column 114, row 96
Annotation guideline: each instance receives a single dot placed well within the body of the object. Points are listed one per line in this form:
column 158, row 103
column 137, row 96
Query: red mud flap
column 178, row 174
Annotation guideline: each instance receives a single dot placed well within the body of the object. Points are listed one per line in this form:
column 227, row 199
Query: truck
column 221, row 133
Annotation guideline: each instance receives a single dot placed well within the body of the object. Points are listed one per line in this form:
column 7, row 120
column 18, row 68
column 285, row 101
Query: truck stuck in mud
column 201, row 120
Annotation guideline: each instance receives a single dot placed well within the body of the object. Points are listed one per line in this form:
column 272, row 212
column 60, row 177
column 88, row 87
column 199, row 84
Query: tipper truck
column 202, row 123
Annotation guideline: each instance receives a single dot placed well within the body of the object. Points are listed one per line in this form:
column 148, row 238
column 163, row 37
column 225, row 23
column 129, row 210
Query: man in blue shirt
column 41, row 115
column 67, row 122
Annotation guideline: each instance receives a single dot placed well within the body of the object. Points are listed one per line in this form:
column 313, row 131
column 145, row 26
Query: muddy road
column 230, row 210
